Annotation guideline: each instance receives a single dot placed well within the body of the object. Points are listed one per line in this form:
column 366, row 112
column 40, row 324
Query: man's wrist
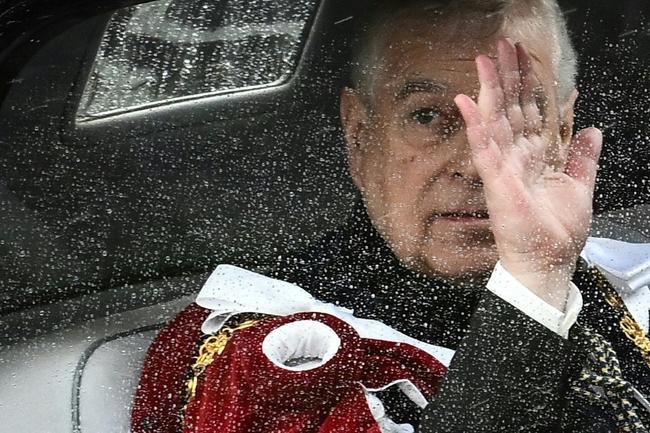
column 551, row 284
column 503, row 284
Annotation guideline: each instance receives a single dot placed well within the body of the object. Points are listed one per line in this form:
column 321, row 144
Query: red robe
column 243, row 391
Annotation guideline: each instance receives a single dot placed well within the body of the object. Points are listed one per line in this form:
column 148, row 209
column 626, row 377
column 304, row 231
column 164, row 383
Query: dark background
column 239, row 179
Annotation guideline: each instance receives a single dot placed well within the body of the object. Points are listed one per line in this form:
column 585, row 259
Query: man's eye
column 425, row 116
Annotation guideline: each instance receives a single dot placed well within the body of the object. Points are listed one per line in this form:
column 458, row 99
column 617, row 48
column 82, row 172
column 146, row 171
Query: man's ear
column 354, row 119
column 566, row 125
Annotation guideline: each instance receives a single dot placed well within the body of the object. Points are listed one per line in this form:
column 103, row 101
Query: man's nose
column 460, row 165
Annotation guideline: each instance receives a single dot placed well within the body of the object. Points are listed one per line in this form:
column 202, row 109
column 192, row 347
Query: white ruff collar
column 626, row 265
column 231, row 290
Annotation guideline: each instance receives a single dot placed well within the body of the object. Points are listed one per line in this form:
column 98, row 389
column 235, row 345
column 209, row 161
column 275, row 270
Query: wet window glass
column 171, row 49
column 362, row 192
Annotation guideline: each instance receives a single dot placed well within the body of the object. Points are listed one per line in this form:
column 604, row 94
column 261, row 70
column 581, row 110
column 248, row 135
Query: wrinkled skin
column 458, row 128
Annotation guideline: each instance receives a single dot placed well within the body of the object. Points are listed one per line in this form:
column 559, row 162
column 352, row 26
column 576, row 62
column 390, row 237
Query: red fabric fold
column 243, row 391
column 160, row 396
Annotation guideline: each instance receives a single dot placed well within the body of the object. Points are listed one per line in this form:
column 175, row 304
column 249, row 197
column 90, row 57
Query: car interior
column 144, row 143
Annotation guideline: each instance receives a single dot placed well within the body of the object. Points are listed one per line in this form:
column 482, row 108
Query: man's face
column 408, row 150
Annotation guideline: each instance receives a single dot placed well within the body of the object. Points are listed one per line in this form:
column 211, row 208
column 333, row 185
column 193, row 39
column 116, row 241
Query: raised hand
column 539, row 196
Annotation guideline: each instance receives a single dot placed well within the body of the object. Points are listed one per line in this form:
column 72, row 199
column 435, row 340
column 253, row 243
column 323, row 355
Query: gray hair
column 536, row 17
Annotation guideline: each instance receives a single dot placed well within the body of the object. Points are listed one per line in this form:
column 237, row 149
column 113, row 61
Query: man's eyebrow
column 426, row 86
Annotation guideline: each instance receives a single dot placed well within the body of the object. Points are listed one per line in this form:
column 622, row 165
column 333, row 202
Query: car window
column 145, row 143
column 136, row 196
column 241, row 183
column 170, row 49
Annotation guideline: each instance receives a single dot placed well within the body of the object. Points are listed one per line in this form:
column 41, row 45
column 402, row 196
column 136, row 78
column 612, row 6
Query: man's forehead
column 409, row 57
column 432, row 43
column 417, row 33
column 411, row 73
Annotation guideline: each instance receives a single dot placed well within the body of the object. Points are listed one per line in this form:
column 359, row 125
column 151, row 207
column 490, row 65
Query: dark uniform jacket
column 509, row 373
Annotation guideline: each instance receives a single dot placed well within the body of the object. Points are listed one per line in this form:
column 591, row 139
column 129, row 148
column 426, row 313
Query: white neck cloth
column 627, row 266
column 231, row 290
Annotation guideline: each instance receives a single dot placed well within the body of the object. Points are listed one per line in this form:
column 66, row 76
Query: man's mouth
column 460, row 216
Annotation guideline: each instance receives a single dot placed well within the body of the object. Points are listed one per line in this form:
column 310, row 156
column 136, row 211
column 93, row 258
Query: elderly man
column 459, row 135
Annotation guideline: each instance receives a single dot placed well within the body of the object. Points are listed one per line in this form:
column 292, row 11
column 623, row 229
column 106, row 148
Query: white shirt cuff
column 508, row 288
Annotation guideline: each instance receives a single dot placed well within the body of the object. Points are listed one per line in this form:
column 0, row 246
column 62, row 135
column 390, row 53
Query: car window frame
column 189, row 110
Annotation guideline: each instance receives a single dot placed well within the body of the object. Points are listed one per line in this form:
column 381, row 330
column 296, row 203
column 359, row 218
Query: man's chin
column 467, row 266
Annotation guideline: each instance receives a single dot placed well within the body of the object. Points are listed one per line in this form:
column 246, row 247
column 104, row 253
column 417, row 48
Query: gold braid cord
column 213, row 346
column 629, row 326
column 604, row 372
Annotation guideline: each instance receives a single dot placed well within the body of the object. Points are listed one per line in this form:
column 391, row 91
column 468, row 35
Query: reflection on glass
column 170, row 49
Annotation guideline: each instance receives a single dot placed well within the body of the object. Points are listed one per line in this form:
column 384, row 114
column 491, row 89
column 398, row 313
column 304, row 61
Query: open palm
column 539, row 202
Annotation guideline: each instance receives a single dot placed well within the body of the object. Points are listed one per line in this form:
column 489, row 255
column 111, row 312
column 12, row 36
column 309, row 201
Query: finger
column 490, row 98
column 530, row 151
column 491, row 101
column 486, row 155
column 582, row 164
column 470, row 111
column 552, row 150
column 529, row 84
column 509, row 73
